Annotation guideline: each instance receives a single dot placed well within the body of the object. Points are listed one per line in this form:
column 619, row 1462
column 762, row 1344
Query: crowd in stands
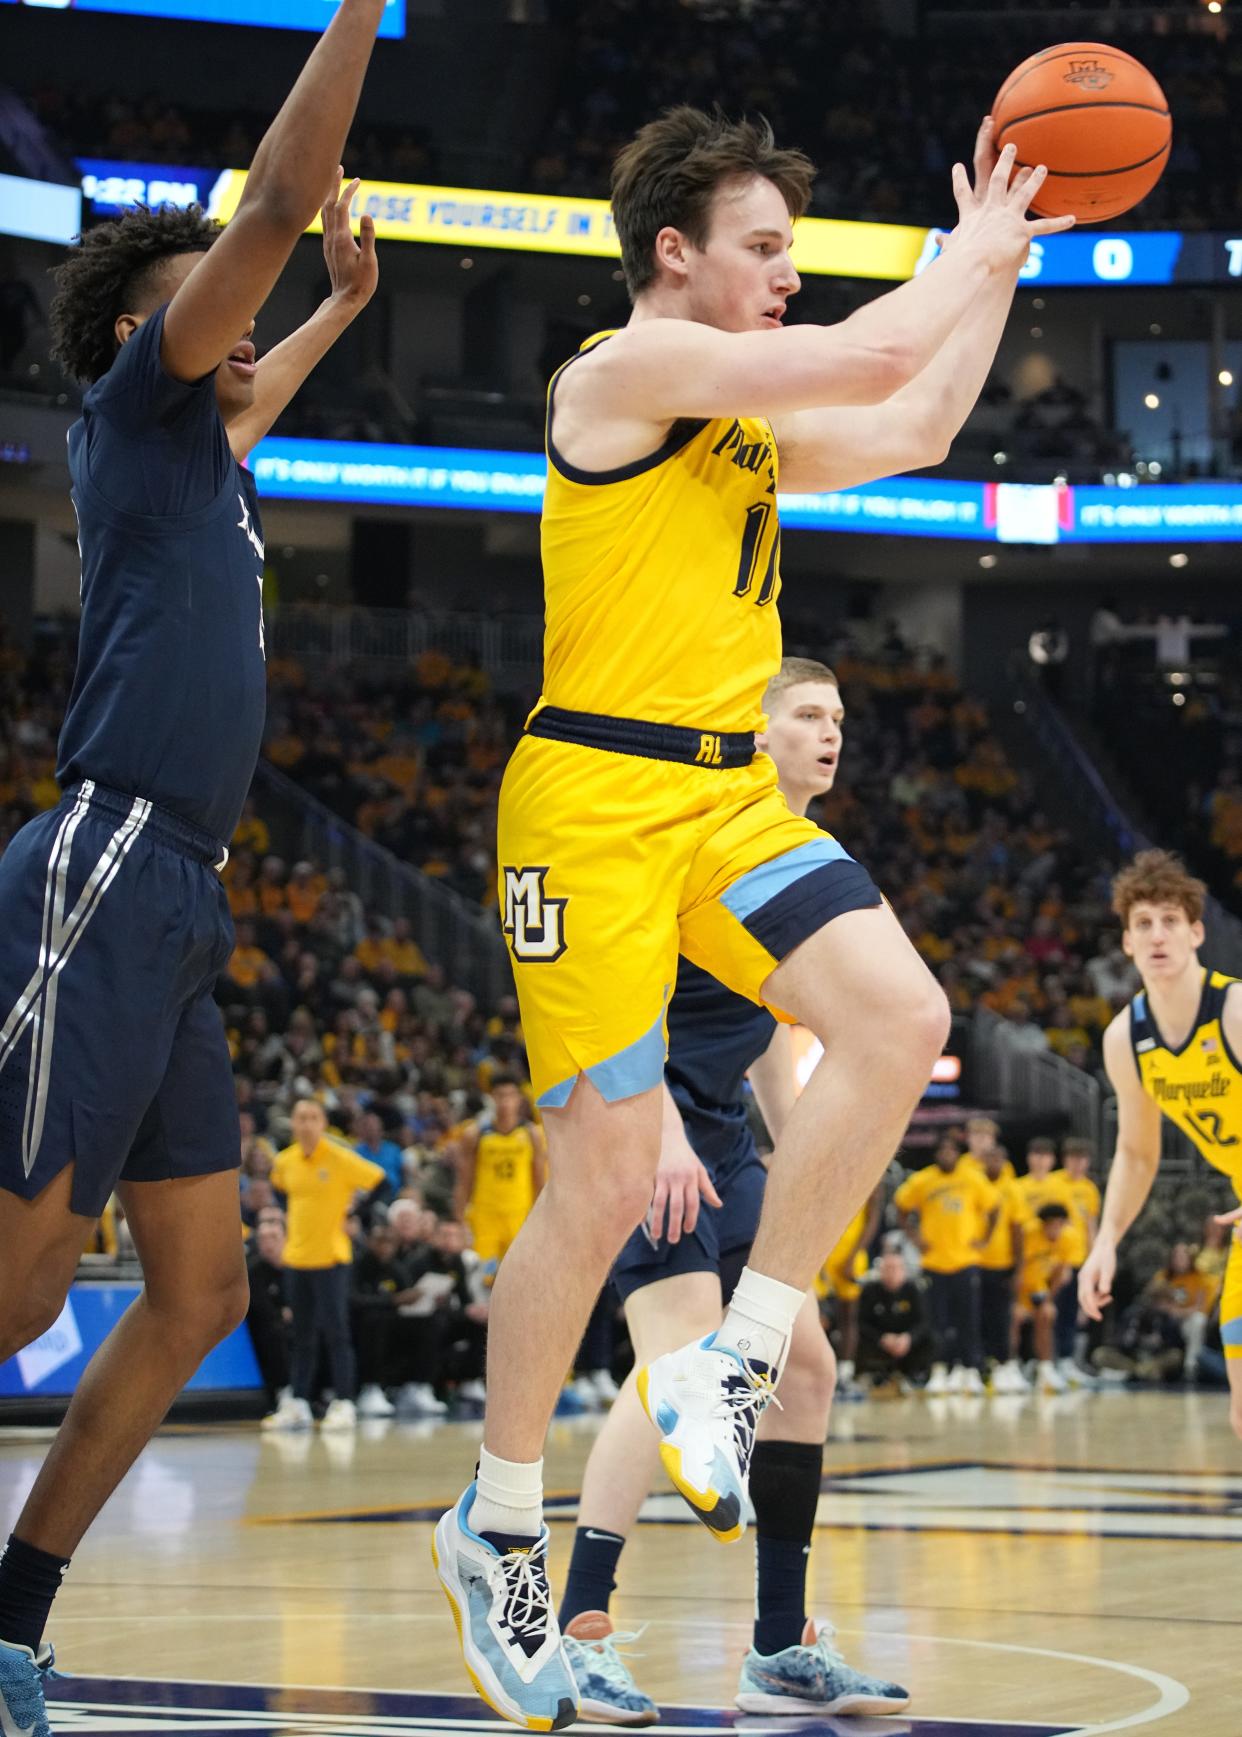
column 1168, row 693
column 328, row 1003
column 889, row 114
column 885, row 114
column 154, row 129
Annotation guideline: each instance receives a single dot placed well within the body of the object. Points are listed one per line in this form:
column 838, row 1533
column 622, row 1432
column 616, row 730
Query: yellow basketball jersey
column 504, row 1172
column 661, row 578
column 1199, row 1086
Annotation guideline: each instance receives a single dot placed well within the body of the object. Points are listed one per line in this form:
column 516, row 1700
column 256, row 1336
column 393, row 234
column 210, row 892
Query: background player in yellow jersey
column 501, row 1168
column 636, row 824
column 1173, row 1051
column 951, row 1209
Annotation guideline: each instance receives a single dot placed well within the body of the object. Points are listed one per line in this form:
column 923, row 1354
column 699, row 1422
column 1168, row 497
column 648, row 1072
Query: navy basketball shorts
column 720, row 1241
column 113, row 1058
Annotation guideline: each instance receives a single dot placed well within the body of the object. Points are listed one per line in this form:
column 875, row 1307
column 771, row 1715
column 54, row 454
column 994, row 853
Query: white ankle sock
column 508, row 1497
column 760, row 1319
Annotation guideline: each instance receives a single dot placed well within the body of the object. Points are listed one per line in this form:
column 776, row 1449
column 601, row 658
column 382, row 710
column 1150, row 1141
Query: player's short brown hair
column 1158, row 877
column 668, row 174
column 794, row 670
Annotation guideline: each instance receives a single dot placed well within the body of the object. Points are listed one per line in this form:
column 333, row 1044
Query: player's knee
column 203, row 1317
column 910, row 1022
column 1235, row 1414
column 25, row 1319
column 624, row 1208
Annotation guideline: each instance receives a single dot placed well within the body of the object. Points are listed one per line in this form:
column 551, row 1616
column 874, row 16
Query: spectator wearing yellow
column 402, row 951
column 1000, row 1260
column 249, row 967
column 319, row 1180
column 1042, row 1183
column 1045, row 1271
column 950, row 1210
column 304, row 893
column 982, row 1135
column 252, row 832
column 1188, row 1296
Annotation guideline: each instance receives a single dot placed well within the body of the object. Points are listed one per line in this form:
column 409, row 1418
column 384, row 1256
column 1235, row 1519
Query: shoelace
column 825, row 1635
column 744, row 1397
column 523, row 1579
column 611, row 1666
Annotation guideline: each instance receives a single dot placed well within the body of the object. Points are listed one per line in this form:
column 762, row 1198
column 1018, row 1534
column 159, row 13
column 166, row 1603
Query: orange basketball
column 1096, row 117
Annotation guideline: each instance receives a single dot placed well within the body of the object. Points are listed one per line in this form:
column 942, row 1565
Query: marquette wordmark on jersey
column 534, row 923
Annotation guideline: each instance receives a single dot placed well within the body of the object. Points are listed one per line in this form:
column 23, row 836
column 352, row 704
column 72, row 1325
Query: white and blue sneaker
column 813, row 1678
column 607, row 1693
column 706, row 1403
column 23, row 1711
column 510, row 1639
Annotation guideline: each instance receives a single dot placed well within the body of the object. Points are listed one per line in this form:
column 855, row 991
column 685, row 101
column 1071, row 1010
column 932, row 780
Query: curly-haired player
column 1174, row 1051
column 114, row 1072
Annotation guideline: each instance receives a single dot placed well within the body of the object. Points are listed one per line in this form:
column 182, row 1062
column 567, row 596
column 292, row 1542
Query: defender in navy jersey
column 114, row 1070
column 677, row 1273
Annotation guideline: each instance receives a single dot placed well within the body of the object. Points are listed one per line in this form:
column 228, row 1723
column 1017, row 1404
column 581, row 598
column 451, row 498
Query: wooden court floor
column 1026, row 1567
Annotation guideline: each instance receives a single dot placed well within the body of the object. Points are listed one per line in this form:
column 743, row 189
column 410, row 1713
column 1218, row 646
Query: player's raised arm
column 663, row 369
column 292, row 172
column 353, row 273
column 834, row 448
column 1133, row 1171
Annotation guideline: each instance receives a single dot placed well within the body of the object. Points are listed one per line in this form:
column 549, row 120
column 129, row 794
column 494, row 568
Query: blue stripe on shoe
column 634, row 1069
column 759, row 885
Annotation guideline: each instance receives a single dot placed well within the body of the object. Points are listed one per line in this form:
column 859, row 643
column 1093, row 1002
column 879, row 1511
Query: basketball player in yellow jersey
column 636, row 822
column 1173, row 1051
column 501, row 1167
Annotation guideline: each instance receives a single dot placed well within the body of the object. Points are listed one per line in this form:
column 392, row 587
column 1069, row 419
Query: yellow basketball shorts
column 613, row 862
column 1231, row 1302
column 845, row 1276
column 495, row 1232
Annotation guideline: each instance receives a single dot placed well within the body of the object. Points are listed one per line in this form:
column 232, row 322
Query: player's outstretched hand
column 993, row 211
column 681, row 1181
column 352, row 265
column 1095, row 1279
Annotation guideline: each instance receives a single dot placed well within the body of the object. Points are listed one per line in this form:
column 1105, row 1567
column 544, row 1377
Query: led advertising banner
column 39, row 210
column 110, row 186
column 52, row 1365
column 278, row 14
column 513, row 482
column 473, row 217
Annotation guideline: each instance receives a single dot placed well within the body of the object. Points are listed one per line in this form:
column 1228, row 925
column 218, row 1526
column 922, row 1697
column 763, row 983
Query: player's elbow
column 278, row 205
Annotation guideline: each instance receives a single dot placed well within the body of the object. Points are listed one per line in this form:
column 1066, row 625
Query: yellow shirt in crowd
column 953, row 1207
column 320, row 1190
column 1085, row 1212
column 997, row 1255
column 1042, row 1256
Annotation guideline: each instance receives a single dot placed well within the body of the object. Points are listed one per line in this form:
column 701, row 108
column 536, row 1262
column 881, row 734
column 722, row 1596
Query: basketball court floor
column 1029, row 1568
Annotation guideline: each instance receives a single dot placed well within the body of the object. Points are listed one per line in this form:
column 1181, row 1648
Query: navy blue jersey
column 714, row 1036
column 169, row 694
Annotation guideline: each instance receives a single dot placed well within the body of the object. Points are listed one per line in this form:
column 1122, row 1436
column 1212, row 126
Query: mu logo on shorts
column 534, row 923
